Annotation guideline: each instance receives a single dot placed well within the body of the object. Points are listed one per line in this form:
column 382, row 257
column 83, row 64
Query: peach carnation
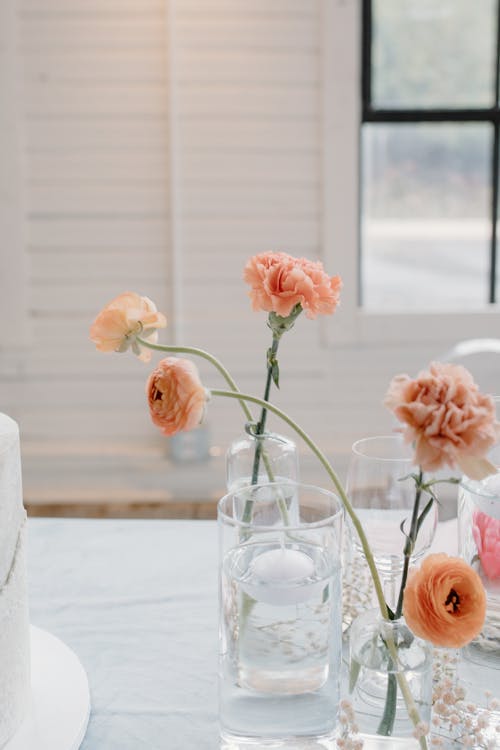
column 278, row 282
column 447, row 418
column 176, row 396
column 444, row 601
column 123, row 319
column 486, row 532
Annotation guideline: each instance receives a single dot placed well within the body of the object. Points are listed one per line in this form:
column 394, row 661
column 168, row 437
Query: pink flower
column 176, row 396
column 447, row 418
column 486, row 532
column 123, row 319
column 279, row 282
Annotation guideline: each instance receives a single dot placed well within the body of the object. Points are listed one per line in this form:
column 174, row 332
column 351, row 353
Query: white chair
column 482, row 358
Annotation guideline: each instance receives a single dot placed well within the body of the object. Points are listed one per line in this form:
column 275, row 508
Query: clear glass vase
column 280, row 615
column 257, row 459
column 479, row 545
column 389, row 669
column 382, row 491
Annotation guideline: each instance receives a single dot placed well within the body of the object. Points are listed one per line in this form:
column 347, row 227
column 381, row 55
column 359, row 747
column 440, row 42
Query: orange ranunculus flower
column 444, row 601
column 279, row 282
column 123, row 319
column 447, row 418
column 176, row 396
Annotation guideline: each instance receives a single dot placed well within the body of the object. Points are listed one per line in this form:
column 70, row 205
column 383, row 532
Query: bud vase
column 277, row 459
column 280, row 616
column 479, row 545
column 387, row 661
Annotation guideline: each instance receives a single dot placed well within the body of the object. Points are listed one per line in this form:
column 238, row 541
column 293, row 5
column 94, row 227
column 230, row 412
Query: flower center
column 452, row 603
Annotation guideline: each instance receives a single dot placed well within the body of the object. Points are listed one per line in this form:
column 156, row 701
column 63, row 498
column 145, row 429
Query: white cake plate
column 60, row 707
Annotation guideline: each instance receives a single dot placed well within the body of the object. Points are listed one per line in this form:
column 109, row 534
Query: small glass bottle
column 390, row 673
column 278, row 460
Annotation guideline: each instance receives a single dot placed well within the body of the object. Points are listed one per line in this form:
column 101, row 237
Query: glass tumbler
column 280, row 614
column 479, row 545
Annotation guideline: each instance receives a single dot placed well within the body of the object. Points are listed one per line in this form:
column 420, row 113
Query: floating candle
column 280, row 565
column 281, row 576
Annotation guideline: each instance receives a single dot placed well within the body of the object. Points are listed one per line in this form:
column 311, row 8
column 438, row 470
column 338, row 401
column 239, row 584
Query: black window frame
column 491, row 115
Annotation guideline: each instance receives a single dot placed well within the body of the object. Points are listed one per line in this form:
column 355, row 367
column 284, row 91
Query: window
column 429, row 154
column 411, row 167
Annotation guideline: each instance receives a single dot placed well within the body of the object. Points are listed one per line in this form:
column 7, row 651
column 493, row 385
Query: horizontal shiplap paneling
column 123, row 67
column 42, row 33
column 114, row 138
column 96, row 168
column 97, row 207
column 118, row 231
column 264, row 135
column 248, row 121
column 94, row 199
column 270, row 67
column 248, row 8
column 90, row 8
column 87, row 266
column 228, row 31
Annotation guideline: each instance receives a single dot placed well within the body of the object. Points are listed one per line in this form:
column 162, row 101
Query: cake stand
column 60, row 705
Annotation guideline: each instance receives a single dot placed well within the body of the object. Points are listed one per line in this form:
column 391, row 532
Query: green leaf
column 275, row 371
column 354, row 674
column 413, row 476
column 424, row 513
column 326, row 594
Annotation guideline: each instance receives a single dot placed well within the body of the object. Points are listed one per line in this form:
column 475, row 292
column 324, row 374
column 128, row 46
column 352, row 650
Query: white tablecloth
column 137, row 602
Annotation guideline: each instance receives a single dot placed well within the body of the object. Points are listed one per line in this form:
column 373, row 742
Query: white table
column 137, row 602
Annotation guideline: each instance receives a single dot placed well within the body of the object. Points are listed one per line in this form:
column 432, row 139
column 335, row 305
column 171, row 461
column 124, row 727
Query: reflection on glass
column 425, row 216
column 497, row 274
column 433, row 53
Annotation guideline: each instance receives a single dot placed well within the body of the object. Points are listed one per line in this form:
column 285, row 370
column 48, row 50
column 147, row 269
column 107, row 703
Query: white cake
column 14, row 622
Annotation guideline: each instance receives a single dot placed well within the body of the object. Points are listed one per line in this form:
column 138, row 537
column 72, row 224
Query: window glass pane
column 425, row 216
column 433, row 53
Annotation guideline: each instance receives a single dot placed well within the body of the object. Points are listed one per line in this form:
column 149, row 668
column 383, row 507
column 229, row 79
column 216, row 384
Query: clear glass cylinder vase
column 280, row 615
column 390, row 674
column 479, row 545
column 258, row 459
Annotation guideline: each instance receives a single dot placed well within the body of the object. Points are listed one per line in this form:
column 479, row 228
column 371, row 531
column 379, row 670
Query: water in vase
column 281, row 642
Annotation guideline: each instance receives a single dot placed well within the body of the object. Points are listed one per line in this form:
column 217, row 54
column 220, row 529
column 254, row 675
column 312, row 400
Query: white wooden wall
column 96, row 193
column 165, row 143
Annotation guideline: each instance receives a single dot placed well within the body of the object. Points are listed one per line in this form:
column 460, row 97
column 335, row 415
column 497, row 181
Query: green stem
column 387, row 724
column 410, row 544
column 261, row 424
column 226, row 375
column 336, row 482
column 401, row 679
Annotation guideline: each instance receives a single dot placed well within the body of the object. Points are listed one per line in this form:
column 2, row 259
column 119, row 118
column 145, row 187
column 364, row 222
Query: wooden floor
column 125, row 481
column 118, row 482
column 136, row 481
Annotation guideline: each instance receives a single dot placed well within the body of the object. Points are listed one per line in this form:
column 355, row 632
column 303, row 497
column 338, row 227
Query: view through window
column 430, row 152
